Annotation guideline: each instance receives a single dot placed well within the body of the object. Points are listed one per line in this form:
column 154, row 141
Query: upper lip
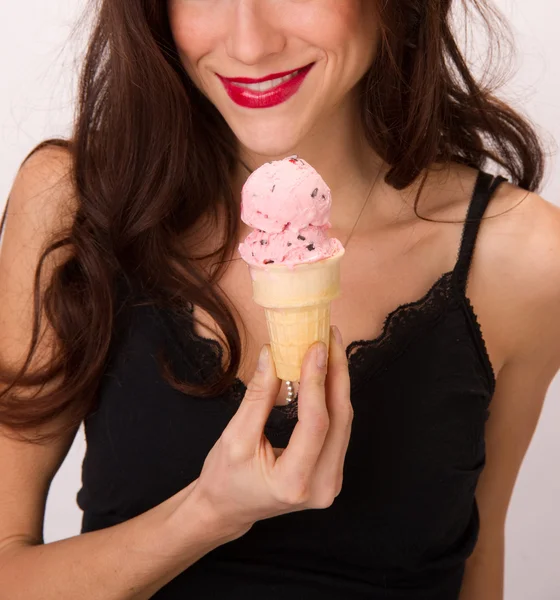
column 265, row 78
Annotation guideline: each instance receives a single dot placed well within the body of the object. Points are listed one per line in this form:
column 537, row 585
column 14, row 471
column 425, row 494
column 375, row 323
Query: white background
column 37, row 76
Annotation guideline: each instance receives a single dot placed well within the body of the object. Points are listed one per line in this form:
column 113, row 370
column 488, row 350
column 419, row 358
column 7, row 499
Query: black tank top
column 406, row 519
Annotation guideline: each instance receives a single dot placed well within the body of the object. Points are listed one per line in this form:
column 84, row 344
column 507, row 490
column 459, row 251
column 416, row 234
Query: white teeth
column 265, row 86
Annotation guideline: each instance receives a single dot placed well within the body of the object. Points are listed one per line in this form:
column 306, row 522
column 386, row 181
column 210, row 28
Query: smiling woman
column 328, row 47
column 389, row 474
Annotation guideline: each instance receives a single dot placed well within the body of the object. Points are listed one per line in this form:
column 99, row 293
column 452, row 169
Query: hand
column 244, row 481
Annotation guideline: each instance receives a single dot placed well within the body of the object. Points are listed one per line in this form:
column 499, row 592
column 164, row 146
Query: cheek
column 194, row 30
column 347, row 26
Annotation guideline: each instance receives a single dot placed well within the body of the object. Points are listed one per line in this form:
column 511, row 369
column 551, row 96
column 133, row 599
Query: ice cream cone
column 297, row 302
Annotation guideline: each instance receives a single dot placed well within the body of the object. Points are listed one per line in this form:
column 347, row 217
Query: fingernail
column 337, row 335
column 263, row 360
column 321, row 355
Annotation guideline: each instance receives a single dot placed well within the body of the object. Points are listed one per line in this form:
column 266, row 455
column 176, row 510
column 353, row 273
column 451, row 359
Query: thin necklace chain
column 291, row 393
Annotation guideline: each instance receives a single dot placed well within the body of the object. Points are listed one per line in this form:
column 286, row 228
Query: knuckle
column 316, row 379
column 235, row 448
column 296, row 495
column 237, row 451
column 319, row 423
column 255, row 389
column 324, row 500
column 301, row 496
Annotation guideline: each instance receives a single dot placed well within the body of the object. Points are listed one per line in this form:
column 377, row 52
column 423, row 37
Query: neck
column 338, row 150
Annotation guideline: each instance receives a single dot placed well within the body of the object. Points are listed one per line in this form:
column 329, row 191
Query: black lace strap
column 484, row 189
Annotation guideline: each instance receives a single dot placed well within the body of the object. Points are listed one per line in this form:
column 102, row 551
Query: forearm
column 130, row 561
column 484, row 573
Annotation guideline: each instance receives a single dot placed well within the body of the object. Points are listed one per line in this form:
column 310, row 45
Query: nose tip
column 253, row 37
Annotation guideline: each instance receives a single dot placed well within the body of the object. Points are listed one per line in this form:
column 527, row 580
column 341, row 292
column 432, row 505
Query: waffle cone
column 297, row 302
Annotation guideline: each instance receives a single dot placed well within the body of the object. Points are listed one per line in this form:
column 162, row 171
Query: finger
column 337, row 384
column 250, row 419
column 297, row 463
column 330, row 464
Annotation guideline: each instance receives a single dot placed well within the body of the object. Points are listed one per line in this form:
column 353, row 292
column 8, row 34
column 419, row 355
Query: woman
column 199, row 477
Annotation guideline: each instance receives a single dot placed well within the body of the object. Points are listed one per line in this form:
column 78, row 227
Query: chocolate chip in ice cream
column 287, row 204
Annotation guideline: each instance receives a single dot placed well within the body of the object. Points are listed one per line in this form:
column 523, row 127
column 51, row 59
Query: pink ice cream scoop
column 288, row 204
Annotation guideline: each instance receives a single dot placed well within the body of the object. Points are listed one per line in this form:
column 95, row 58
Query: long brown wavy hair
column 151, row 157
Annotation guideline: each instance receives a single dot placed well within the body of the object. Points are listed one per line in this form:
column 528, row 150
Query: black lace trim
column 210, row 357
column 366, row 358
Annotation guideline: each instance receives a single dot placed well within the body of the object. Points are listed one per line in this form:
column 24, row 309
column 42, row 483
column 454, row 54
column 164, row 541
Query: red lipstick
column 264, row 96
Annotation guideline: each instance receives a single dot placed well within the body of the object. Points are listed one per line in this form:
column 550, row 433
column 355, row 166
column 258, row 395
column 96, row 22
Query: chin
column 269, row 139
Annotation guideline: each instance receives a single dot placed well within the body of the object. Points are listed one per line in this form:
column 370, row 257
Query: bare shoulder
column 43, row 193
column 514, row 282
column 41, row 206
column 518, row 261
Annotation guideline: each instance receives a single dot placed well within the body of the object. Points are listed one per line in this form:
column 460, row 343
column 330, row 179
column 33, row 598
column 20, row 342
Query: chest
column 378, row 274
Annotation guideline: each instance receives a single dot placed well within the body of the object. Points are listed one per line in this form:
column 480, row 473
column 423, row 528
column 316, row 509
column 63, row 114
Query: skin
column 514, row 293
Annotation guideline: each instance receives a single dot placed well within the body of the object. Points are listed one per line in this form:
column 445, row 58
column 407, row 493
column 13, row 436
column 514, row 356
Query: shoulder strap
column 484, row 189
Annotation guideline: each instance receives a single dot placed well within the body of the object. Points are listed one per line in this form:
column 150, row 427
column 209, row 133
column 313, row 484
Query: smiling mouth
column 265, row 86
column 267, row 91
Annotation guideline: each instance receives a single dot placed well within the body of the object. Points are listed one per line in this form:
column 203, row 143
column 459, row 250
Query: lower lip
column 273, row 97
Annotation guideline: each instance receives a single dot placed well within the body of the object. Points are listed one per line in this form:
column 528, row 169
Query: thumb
column 260, row 397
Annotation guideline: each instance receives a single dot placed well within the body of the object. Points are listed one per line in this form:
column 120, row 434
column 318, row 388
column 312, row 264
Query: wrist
column 196, row 518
